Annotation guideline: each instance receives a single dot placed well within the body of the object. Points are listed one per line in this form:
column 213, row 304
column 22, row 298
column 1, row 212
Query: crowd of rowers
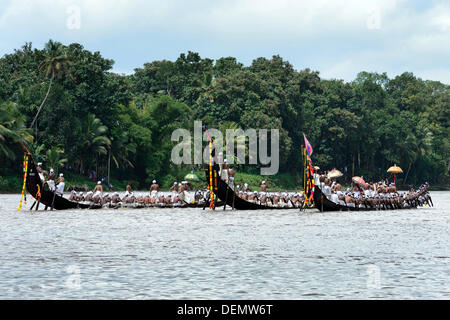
column 272, row 199
column 374, row 196
column 377, row 195
column 179, row 195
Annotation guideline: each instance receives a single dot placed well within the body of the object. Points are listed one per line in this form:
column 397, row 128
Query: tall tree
column 12, row 129
column 54, row 158
column 94, row 140
column 55, row 65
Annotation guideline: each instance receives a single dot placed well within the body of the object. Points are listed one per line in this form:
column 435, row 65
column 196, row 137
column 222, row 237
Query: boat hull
column 225, row 193
column 322, row 203
column 49, row 198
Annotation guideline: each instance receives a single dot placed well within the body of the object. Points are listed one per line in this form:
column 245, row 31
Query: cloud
column 230, row 17
column 338, row 38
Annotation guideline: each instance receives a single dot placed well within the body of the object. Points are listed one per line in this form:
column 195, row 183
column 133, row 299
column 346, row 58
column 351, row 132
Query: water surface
column 200, row 254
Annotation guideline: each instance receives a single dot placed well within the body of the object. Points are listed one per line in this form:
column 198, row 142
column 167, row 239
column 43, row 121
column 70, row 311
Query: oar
column 38, row 199
column 226, row 198
column 292, row 202
column 206, row 202
column 53, row 202
column 234, row 195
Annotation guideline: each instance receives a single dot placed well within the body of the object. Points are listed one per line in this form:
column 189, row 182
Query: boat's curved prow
column 225, row 193
column 322, row 203
column 48, row 198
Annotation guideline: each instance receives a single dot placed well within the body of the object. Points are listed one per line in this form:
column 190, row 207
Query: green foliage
column 94, row 141
column 11, row 183
column 54, row 159
column 12, row 129
column 124, row 122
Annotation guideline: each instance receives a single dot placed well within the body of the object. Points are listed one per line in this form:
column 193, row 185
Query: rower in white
column 61, row 185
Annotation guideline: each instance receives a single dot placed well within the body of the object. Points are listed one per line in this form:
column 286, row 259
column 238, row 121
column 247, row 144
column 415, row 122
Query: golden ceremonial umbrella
column 394, row 169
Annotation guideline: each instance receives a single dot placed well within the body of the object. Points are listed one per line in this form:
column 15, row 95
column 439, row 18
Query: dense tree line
column 88, row 115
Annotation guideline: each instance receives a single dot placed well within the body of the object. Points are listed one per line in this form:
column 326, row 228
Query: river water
column 200, row 254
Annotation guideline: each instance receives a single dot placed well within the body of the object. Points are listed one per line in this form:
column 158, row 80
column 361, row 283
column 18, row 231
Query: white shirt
column 334, row 197
column 51, row 185
column 316, row 179
column 327, row 191
column 60, row 188
column 224, row 175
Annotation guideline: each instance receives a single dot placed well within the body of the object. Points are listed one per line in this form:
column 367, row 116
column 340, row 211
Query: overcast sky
column 336, row 38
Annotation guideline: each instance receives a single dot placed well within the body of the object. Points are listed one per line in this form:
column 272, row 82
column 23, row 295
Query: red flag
column 308, row 147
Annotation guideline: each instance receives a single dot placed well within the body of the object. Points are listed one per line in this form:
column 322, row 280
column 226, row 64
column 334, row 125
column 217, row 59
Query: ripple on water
column 189, row 254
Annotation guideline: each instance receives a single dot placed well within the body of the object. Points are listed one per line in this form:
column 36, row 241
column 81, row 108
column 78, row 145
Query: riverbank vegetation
column 90, row 118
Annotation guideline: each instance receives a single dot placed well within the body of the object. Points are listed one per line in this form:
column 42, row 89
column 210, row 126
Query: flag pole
column 211, row 186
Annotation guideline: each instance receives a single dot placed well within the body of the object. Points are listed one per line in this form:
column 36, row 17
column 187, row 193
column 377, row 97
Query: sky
column 338, row 38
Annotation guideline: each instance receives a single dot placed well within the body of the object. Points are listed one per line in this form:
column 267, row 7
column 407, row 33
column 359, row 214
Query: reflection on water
column 199, row 254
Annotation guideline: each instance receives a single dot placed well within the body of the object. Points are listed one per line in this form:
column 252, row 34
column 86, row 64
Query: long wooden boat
column 225, row 193
column 34, row 184
column 48, row 198
column 322, row 203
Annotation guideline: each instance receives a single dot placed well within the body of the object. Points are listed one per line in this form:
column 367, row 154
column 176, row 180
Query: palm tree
column 240, row 143
column 53, row 158
column 418, row 146
column 56, row 64
column 94, row 141
column 12, row 129
column 121, row 150
column 37, row 150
